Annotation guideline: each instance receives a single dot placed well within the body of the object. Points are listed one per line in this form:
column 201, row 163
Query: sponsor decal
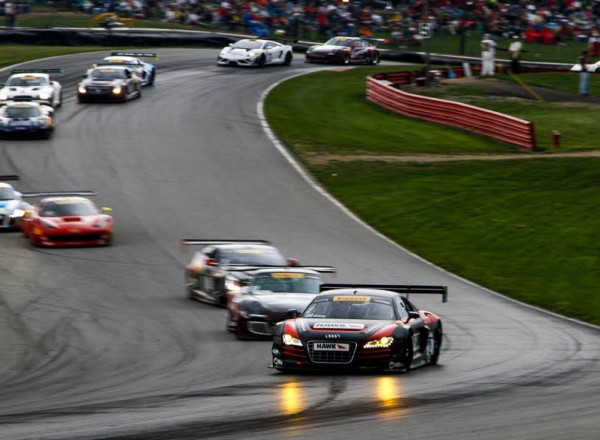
column 248, row 251
column 75, row 230
column 65, row 202
column 333, row 336
column 395, row 365
column 331, row 346
column 287, row 275
column 338, row 326
column 352, row 298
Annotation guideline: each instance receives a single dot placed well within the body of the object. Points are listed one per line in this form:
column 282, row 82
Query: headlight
column 17, row 213
column 45, row 95
column 254, row 53
column 117, row 90
column 290, row 340
column 82, row 90
column 232, row 284
column 384, row 342
column 3, row 96
column 47, row 225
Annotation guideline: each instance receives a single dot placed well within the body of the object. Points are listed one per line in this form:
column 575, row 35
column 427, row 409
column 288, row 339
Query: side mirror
column 414, row 315
column 292, row 314
column 106, row 210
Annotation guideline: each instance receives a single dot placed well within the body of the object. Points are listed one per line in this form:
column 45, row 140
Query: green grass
column 525, row 228
column 13, row 53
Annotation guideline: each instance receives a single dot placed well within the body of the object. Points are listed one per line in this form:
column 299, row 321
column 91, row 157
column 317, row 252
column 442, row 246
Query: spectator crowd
column 400, row 21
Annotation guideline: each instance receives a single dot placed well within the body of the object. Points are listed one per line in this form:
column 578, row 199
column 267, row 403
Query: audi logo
column 332, row 336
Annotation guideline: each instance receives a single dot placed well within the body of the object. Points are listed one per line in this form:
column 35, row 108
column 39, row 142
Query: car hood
column 8, row 206
column 327, row 48
column 282, row 302
column 83, row 221
column 348, row 329
column 102, row 82
column 25, row 90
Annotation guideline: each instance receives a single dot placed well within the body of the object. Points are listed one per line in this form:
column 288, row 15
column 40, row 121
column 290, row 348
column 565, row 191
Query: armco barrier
column 381, row 91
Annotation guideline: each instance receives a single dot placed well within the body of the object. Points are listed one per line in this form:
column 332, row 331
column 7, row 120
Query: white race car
column 12, row 206
column 32, row 85
column 590, row 67
column 255, row 53
column 146, row 71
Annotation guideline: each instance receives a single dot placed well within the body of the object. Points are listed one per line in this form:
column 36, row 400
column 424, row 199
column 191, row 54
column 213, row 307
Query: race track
column 102, row 342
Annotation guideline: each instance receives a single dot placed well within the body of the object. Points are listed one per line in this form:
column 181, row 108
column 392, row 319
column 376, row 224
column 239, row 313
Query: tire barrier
column 382, row 90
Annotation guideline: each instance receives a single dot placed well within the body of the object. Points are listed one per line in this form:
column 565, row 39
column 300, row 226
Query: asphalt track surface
column 102, row 342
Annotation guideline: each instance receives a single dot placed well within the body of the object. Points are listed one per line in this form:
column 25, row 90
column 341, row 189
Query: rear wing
column 59, row 193
column 9, row 177
column 135, row 54
column 48, row 71
column 200, row 242
column 320, row 269
column 399, row 288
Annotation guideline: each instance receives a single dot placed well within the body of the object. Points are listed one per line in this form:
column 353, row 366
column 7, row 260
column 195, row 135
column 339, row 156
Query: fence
column 382, row 90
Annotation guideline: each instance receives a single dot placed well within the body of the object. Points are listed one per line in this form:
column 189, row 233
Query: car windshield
column 7, row 194
column 117, row 62
column 108, row 74
column 253, row 257
column 62, row 209
column 339, row 42
column 286, row 282
column 26, row 81
column 22, row 112
column 247, row 44
column 351, row 307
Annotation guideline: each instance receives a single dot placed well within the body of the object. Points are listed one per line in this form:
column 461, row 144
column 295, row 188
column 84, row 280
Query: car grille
column 75, row 237
column 331, row 357
column 260, row 328
column 21, row 98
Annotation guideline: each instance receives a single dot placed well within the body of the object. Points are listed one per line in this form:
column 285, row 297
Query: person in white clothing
column 488, row 51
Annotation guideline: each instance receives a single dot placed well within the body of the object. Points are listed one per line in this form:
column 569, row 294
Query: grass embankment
column 11, row 54
column 525, row 228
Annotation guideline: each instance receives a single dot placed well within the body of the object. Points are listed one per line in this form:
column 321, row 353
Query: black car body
column 343, row 50
column 223, row 266
column 358, row 327
column 112, row 83
column 269, row 295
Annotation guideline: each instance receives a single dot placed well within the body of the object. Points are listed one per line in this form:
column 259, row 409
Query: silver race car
column 255, row 53
column 26, row 119
column 34, row 85
column 12, row 206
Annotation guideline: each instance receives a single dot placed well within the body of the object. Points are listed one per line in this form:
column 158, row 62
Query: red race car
column 343, row 50
column 67, row 220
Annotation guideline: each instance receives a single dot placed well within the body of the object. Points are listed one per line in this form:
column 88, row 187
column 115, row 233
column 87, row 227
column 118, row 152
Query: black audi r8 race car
column 343, row 50
column 360, row 326
column 111, row 83
column 222, row 266
column 253, row 311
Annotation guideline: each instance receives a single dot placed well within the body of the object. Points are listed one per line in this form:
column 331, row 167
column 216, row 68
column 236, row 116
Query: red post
column 556, row 138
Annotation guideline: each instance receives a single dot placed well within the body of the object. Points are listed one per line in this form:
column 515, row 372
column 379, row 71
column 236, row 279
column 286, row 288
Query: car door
column 274, row 52
column 418, row 327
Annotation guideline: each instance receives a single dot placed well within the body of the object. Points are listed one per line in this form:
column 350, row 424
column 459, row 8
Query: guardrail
column 382, row 90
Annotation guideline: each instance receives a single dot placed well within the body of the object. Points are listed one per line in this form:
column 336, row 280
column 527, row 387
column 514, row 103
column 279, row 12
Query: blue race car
column 26, row 119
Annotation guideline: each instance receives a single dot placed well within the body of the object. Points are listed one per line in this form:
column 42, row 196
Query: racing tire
column 288, row 59
column 374, row 59
column 436, row 340
column 152, row 77
column 261, row 62
column 230, row 325
column 345, row 59
column 407, row 353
